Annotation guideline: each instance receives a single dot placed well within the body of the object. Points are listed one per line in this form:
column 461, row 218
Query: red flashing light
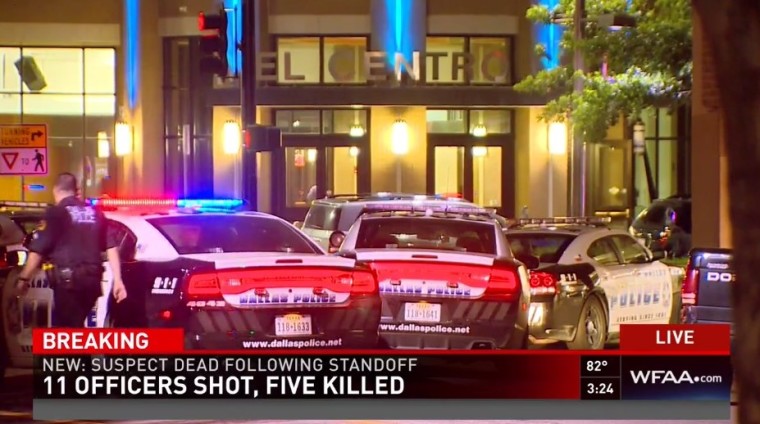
column 542, row 283
column 202, row 21
column 166, row 315
column 136, row 202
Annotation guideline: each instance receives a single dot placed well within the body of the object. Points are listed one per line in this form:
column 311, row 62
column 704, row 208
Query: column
column 142, row 170
column 709, row 182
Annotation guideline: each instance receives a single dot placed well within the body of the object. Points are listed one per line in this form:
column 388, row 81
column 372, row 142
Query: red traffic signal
column 214, row 45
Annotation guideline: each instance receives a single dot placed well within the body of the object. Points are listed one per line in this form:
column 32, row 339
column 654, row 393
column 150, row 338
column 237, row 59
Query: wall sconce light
column 356, row 131
column 639, row 138
column 479, row 130
column 400, row 138
column 557, row 138
column 123, row 138
column 479, row 151
column 353, row 151
column 311, row 155
column 104, row 145
column 232, row 136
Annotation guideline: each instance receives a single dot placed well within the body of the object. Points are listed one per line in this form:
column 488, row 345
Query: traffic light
column 214, row 46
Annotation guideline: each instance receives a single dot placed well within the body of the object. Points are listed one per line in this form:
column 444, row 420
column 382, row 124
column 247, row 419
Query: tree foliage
column 648, row 64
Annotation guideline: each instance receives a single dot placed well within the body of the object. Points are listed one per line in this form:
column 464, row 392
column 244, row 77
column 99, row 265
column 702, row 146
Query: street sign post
column 23, row 149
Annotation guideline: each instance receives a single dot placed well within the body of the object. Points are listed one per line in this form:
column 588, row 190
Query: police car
column 339, row 212
column 446, row 275
column 590, row 279
column 233, row 278
column 17, row 222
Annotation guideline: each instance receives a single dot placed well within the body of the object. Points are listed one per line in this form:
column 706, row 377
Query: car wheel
column 592, row 327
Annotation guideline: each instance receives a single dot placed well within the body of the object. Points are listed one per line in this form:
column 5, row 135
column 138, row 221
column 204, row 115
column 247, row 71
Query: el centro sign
column 493, row 66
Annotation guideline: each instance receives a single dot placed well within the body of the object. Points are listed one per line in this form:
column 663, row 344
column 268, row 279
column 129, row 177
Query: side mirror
column 530, row 261
column 16, row 257
column 298, row 224
column 336, row 239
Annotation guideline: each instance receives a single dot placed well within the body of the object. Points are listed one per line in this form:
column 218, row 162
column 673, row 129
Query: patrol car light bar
column 168, row 203
column 565, row 220
column 422, row 207
column 14, row 204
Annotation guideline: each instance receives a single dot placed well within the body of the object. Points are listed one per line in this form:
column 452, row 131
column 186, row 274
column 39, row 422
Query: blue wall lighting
column 132, row 50
column 550, row 35
column 399, row 32
column 234, row 10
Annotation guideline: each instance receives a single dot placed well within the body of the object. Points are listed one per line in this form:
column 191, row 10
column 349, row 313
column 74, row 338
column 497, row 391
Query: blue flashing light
column 210, row 203
column 132, row 49
column 234, row 10
column 397, row 38
column 550, row 35
column 34, row 187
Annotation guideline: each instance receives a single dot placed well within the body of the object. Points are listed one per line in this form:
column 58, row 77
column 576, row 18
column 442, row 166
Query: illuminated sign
column 493, row 66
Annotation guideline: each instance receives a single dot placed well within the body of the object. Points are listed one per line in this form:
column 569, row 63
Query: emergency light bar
column 29, row 205
column 565, row 221
column 423, row 207
column 168, row 203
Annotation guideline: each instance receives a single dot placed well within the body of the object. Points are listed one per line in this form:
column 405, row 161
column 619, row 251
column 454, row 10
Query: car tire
column 592, row 327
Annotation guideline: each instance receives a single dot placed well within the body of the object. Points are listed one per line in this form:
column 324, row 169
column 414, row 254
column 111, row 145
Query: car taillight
column 690, row 287
column 203, row 286
column 542, row 283
column 504, row 284
column 363, row 283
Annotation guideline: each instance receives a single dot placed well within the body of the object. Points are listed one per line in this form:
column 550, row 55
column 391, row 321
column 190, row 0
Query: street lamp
column 556, row 146
column 123, row 138
column 399, row 147
column 104, row 145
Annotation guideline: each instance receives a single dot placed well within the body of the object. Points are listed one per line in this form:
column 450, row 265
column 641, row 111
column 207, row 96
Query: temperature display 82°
column 600, row 366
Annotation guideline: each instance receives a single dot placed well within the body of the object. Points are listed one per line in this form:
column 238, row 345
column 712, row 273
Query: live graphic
column 675, row 378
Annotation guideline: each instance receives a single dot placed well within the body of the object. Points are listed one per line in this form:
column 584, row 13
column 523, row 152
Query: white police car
column 231, row 278
column 590, row 280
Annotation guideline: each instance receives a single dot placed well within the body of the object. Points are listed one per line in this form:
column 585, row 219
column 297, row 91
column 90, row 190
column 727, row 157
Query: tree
column 732, row 31
column 648, row 64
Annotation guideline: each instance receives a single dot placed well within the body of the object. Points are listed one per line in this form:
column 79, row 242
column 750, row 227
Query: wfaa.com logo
column 672, row 377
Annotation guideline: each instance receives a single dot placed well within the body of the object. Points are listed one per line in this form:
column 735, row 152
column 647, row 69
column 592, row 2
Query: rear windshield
column 548, row 248
column 322, row 217
column 655, row 214
column 427, row 233
column 194, row 234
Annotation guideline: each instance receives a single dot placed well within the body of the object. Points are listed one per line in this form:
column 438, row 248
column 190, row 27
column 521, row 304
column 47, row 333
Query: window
column 343, row 60
column 300, row 176
column 603, row 252
column 548, row 248
column 444, row 57
column 631, row 251
column 426, row 233
column 446, row 121
column 298, row 121
column 298, row 60
column 496, row 121
column 124, row 238
column 486, row 162
column 340, row 121
column 219, row 234
column 73, row 92
column 322, row 217
column 491, row 60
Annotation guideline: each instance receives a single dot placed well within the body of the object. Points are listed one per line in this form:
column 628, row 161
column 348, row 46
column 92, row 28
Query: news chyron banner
column 654, row 363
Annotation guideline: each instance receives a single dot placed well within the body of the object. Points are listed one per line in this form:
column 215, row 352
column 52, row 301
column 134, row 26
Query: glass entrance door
column 610, row 181
column 300, row 176
column 449, row 170
column 342, row 169
column 486, row 176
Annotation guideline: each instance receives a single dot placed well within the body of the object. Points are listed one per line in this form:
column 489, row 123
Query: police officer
column 72, row 237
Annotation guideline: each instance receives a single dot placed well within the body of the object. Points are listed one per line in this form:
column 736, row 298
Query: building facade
column 354, row 119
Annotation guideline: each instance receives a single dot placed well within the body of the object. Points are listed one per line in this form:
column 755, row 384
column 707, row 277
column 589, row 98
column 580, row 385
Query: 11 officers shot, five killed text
column 228, row 377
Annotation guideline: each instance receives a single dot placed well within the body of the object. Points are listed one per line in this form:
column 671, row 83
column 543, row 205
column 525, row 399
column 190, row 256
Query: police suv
column 230, row 278
column 447, row 277
column 339, row 212
column 706, row 291
column 590, row 279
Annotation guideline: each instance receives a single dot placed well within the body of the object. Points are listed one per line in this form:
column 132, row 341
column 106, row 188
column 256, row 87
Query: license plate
column 422, row 312
column 292, row 325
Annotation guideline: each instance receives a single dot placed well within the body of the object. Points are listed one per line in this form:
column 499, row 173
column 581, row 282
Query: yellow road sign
column 23, row 135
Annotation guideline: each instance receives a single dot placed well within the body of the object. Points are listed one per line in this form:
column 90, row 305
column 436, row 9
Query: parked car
column 665, row 226
column 706, row 290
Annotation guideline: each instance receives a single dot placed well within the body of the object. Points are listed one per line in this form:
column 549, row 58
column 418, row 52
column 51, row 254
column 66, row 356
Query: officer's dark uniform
column 72, row 237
